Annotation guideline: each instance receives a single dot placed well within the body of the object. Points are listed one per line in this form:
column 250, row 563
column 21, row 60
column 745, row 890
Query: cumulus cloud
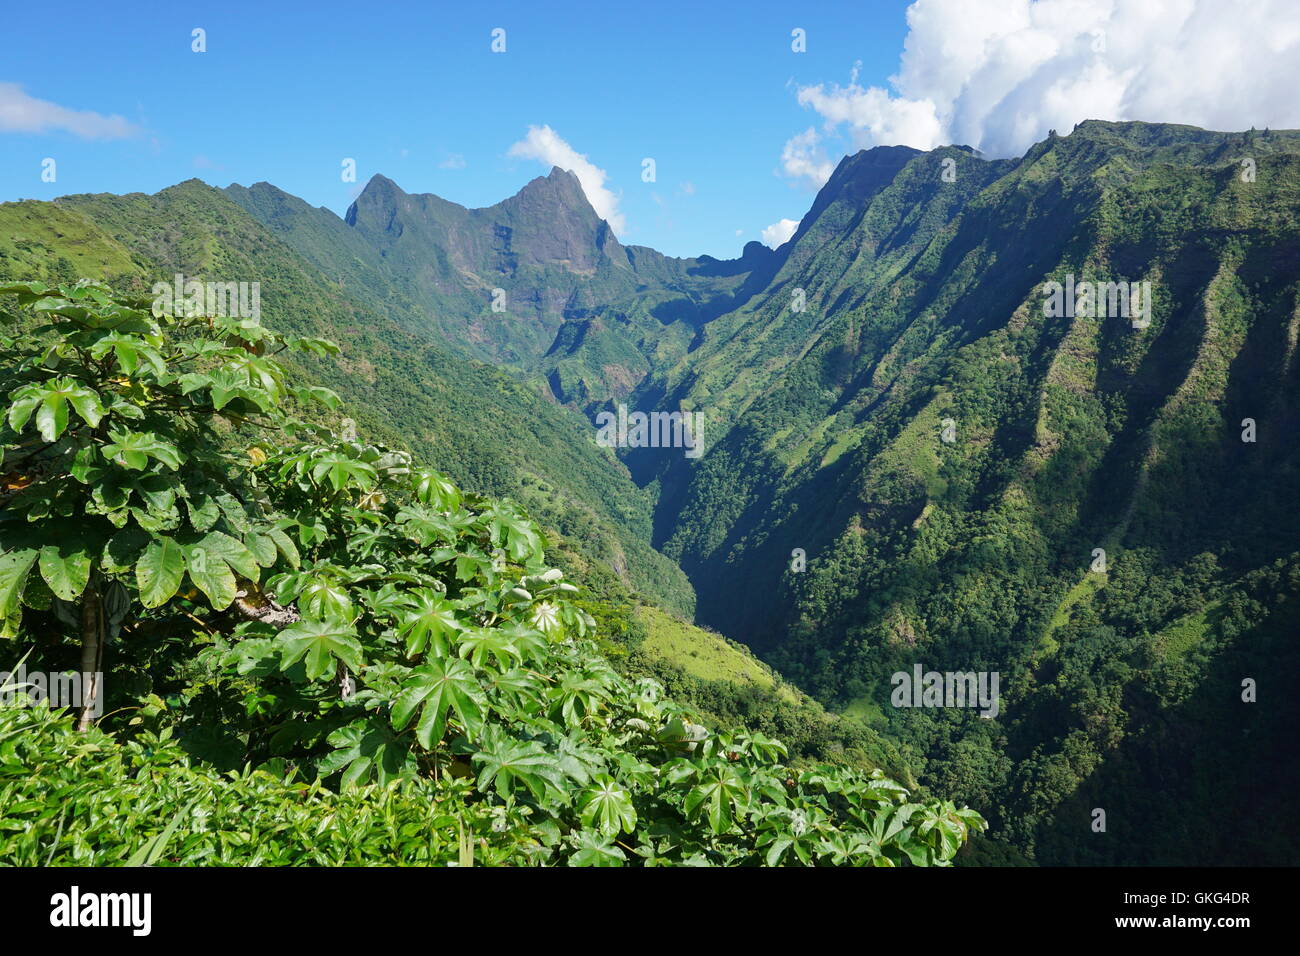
column 454, row 161
column 777, row 233
column 803, row 158
column 998, row 74
column 21, row 113
column 543, row 144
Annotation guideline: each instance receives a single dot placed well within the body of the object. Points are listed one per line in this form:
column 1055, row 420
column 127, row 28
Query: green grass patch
column 702, row 653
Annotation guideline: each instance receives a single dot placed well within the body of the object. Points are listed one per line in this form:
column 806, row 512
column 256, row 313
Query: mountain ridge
column 921, row 277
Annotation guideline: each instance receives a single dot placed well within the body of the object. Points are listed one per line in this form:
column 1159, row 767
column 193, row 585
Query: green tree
column 118, row 432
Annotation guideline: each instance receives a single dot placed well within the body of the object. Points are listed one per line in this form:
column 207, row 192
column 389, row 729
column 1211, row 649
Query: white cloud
column 455, row 161
column 21, row 113
column 777, row 233
column 998, row 74
column 543, row 144
column 803, row 158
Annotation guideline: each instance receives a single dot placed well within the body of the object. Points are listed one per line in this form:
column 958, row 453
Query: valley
column 898, row 393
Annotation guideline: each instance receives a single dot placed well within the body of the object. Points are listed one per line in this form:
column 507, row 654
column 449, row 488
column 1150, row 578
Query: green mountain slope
column 976, row 482
column 926, row 308
column 577, row 312
column 486, row 429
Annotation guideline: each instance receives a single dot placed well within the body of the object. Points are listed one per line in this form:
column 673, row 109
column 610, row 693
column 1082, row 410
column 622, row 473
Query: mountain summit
column 523, row 282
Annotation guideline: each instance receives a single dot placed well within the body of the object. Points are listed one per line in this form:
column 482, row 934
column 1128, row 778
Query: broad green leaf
column 261, row 547
column 438, row 687
column 429, row 625
column 225, row 548
column 159, row 572
column 284, row 544
column 320, row 642
column 607, row 806
column 596, row 850
column 14, row 568
column 210, row 575
column 134, row 449
column 505, row 761
column 66, row 569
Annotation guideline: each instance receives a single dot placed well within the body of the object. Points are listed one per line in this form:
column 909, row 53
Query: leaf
column 716, row 796
column 436, row 490
column 52, row 417
column 159, row 572
column 134, row 449
column 319, row 395
column 203, row 511
column 439, row 687
column 608, row 807
column 225, row 548
column 14, row 568
column 261, row 547
column 342, row 471
column 321, row 595
column 65, row 570
column 320, row 642
column 429, row 624
column 152, row 850
column 50, row 401
column 367, row 748
column 505, row 761
column 284, row 544
column 596, row 850
column 213, row 577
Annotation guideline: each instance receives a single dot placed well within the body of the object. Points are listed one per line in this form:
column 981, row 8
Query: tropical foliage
column 377, row 667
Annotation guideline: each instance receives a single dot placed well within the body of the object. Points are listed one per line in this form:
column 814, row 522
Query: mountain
column 913, row 454
column 582, row 316
column 926, row 312
column 484, row 428
column 909, row 303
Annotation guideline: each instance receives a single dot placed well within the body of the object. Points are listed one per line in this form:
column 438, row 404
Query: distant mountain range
column 909, row 458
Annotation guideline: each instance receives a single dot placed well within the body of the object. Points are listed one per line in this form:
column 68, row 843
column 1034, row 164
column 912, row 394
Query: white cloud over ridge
column 22, row 113
column 777, row 233
column 998, row 74
column 544, row 145
column 803, row 158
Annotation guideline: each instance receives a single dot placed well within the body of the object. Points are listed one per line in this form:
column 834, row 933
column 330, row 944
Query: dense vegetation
column 486, row 430
column 317, row 651
column 1121, row 688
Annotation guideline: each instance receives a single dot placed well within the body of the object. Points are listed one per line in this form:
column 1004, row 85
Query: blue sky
column 413, row 91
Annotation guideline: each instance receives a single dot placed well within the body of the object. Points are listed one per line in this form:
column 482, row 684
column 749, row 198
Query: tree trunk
column 92, row 649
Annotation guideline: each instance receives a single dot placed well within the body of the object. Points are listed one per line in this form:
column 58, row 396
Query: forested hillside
column 913, row 456
column 1172, row 448
column 313, row 649
column 485, row 429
